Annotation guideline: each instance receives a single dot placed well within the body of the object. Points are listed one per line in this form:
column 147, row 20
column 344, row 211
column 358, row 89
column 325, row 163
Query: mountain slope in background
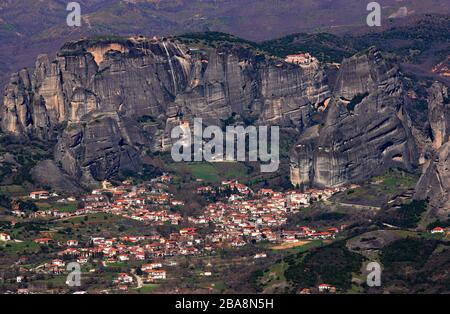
column 30, row 27
column 109, row 102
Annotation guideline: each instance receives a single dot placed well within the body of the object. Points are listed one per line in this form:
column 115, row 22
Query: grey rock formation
column 366, row 129
column 439, row 114
column 117, row 99
column 434, row 184
column 97, row 147
column 47, row 173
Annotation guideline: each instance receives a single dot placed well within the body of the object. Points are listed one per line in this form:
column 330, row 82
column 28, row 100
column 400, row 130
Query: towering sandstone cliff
column 366, row 129
column 107, row 103
column 116, row 99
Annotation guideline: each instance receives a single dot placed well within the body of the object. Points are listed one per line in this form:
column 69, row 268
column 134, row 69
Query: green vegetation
column 412, row 251
column 16, row 248
column 146, row 119
column 409, row 41
column 273, row 275
column 27, row 206
column 147, row 288
column 26, row 156
column 407, row 216
column 416, row 265
column 393, row 179
column 304, row 248
column 12, row 190
column 206, row 172
column 212, row 172
column 325, row 47
column 67, row 208
column 330, row 216
column 215, row 39
column 379, row 189
column 333, row 264
column 439, row 223
column 147, row 173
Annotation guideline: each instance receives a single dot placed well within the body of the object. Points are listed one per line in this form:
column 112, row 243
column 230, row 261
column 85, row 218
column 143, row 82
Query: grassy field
column 147, row 288
column 13, row 190
column 274, row 275
column 212, row 172
column 62, row 207
column 299, row 247
column 380, row 189
column 18, row 248
column 394, row 180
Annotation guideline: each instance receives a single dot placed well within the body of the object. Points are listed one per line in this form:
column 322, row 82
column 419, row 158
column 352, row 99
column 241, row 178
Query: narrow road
column 356, row 206
column 140, row 282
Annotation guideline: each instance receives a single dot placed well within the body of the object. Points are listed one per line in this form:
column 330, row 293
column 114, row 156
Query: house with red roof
column 5, row 237
column 437, row 230
column 42, row 240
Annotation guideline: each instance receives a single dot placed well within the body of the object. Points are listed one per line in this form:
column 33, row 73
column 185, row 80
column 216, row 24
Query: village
column 238, row 217
column 241, row 216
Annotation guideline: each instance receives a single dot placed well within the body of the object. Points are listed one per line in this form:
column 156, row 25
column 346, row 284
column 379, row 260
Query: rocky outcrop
column 109, row 101
column 434, row 183
column 47, row 173
column 366, row 129
column 97, row 147
column 439, row 114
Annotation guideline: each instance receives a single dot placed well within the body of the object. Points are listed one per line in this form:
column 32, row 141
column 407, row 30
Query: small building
column 39, row 195
column 300, row 59
column 82, row 260
column 186, row 231
column 324, row 287
column 5, row 237
column 42, row 240
column 260, row 255
column 124, row 278
column 123, row 257
column 150, row 267
column 156, row 275
column 72, row 243
column 437, row 230
column 58, row 263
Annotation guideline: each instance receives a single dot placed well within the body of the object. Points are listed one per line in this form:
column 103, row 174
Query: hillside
column 28, row 27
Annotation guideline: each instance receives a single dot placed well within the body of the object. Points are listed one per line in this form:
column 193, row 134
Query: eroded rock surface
column 366, row 129
column 117, row 99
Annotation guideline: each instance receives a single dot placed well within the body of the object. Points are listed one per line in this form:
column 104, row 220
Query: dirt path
column 139, row 280
column 286, row 246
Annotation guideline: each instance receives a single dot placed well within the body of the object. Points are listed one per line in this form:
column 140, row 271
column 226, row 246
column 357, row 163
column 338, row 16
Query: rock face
column 366, row 129
column 435, row 181
column 117, row 99
column 47, row 173
column 108, row 103
column 97, row 147
column 439, row 114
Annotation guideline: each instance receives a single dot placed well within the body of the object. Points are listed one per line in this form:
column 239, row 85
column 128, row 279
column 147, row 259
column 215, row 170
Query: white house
column 156, row 274
column 260, row 255
column 125, row 278
column 324, row 287
column 5, row 237
column 437, row 230
column 39, row 195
